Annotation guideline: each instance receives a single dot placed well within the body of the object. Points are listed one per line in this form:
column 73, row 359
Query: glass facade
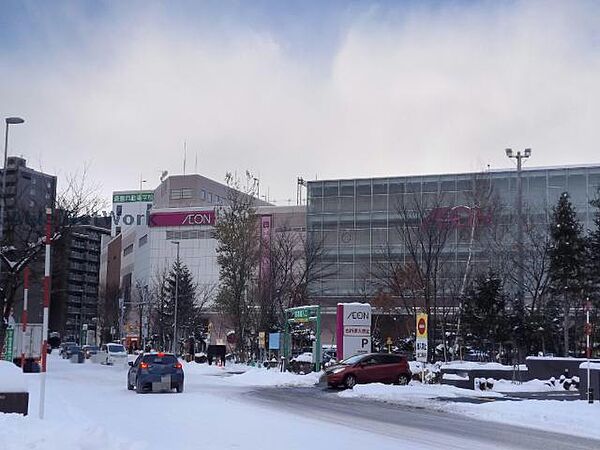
column 357, row 221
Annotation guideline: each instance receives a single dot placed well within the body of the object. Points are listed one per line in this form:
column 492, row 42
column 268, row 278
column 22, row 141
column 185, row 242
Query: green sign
column 302, row 314
column 8, row 344
column 135, row 197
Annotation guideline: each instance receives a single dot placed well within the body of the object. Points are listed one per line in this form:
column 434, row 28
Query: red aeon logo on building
column 185, row 218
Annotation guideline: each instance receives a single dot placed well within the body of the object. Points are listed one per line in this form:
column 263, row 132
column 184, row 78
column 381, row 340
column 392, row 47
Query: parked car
column 113, row 353
column 370, row 368
column 155, row 372
column 64, row 347
column 89, row 350
column 71, row 350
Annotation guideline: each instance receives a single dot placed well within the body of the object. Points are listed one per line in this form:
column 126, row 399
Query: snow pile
column 527, row 386
column 264, row 377
column 20, row 432
column 470, row 365
column 573, row 417
column 304, row 357
column 11, row 378
column 413, row 394
column 593, row 365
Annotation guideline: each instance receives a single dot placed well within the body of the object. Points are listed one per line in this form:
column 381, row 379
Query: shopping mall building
column 358, row 220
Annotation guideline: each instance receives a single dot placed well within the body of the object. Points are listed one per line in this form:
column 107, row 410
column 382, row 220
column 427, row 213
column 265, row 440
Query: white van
column 113, row 353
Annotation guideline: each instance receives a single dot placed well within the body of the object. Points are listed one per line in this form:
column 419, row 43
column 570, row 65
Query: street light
column 9, row 121
column 176, row 300
column 519, row 157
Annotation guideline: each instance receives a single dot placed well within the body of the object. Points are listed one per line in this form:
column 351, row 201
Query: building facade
column 75, row 282
column 357, row 221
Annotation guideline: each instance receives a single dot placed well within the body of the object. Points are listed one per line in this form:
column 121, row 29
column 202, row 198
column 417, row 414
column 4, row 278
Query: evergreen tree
column 485, row 312
column 567, row 254
column 593, row 252
column 187, row 310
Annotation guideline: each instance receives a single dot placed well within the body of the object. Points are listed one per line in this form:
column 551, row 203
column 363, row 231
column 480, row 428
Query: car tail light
column 161, row 354
column 178, row 365
column 143, row 365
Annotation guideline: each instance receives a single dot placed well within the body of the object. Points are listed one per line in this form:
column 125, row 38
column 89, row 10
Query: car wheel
column 403, row 380
column 129, row 386
column 179, row 388
column 139, row 388
column 350, row 381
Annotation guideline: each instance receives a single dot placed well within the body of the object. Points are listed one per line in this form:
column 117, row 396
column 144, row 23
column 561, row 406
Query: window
column 128, row 250
column 202, row 194
column 175, row 194
column 210, row 197
column 119, row 210
column 186, row 193
column 143, row 240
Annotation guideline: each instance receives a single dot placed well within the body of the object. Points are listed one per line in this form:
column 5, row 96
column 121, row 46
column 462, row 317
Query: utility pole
column 520, row 250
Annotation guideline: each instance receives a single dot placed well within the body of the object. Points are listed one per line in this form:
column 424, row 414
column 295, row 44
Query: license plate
column 165, row 379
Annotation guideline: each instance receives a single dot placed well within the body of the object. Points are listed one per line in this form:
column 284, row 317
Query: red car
column 370, row 368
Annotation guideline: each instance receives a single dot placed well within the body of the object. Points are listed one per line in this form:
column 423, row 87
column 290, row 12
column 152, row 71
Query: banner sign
column 134, row 197
column 273, row 341
column 265, row 247
column 421, row 345
column 353, row 334
column 178, row 219
column 8, row 344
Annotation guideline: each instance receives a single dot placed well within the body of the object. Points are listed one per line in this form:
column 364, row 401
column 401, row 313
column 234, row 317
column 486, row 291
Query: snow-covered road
column 89, row 407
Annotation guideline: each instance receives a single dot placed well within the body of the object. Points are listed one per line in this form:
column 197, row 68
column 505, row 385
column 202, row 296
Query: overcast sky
column 285, row 89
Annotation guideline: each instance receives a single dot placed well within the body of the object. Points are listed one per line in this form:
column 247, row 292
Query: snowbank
column 273, row 377
column 11, row 378
column 527, row 386
column 593, row 365
column 414, row 394
column 571, row 417
column 470, row 365
column 25, row 432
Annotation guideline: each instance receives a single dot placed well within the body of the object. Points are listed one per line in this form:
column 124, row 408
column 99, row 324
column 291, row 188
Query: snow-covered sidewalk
column 574, row 417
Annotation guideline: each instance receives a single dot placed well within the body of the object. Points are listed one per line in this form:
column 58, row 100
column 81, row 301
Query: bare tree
column 237, row 255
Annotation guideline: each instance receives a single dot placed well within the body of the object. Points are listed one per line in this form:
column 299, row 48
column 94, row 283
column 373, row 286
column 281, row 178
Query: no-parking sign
column 421, row 341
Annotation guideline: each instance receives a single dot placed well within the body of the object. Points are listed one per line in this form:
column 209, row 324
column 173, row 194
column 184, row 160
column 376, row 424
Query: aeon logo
column 358, row 315
column 197, row 219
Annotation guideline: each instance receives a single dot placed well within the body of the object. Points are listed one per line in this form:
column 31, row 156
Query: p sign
column 353, row 329
column 421, row 346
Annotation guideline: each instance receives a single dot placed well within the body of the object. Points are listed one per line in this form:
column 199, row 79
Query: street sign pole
column 588, row 331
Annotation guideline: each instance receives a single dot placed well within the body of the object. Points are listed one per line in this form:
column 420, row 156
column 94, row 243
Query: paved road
column 431, row 428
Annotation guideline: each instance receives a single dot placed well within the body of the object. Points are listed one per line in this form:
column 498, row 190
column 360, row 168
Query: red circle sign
column 422, row 326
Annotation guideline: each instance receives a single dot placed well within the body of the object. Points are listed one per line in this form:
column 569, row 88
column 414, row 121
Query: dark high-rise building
column 76, row 268
column 28, row 194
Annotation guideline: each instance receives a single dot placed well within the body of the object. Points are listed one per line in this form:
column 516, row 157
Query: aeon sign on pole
column 353, row 334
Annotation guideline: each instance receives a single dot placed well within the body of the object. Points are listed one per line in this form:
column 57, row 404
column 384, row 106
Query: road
column 431, row 428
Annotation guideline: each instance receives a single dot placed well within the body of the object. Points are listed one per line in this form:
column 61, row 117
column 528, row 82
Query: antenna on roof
column 196, row 163
column 184, row 155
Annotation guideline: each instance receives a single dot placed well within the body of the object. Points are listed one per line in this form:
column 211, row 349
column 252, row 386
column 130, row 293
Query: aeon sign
column 185, row 218
column 353, row 331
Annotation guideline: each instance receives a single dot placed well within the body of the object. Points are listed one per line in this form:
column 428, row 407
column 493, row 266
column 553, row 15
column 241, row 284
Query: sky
column 317, row 89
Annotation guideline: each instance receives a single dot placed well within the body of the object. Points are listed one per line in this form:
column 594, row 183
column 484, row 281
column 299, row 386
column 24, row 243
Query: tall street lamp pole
column 176, row 300
column 9, row 121
column 519, row 157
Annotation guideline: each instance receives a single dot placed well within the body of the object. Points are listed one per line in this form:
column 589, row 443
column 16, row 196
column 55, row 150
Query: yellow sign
column 389, row 341
column 421, row 347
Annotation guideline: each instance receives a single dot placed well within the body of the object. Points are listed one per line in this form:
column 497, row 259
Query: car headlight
column 338, row 370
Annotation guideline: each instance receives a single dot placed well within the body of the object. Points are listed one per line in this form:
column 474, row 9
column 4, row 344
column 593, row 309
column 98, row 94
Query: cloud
column 422, row 90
